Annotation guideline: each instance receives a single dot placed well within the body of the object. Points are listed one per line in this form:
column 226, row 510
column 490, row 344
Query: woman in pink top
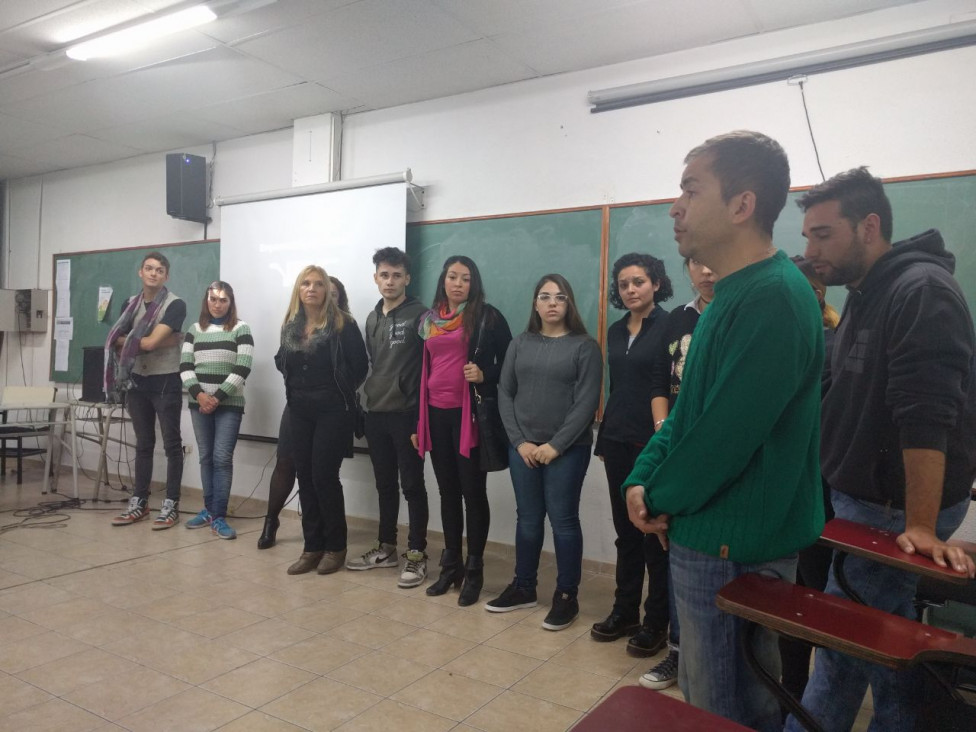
column 465, row 340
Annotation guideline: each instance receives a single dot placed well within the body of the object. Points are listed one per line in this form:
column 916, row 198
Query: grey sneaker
column 663, row 675
column 415, row 570
column 381, row 555
column 169, row 514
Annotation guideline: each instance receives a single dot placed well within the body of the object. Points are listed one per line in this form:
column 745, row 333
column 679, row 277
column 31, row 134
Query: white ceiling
column 259, row 70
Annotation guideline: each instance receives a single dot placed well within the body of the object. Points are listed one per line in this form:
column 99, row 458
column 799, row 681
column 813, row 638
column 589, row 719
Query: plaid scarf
column 118, row 364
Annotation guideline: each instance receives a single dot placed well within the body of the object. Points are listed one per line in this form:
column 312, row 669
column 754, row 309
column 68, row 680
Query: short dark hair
column 574, row 323
column 653, row 268
column 393, row 257
column 158, row 257
column 859, row 194
column 749, row 161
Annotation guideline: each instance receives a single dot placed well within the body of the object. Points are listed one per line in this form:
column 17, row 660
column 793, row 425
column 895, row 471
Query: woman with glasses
column 215, row 361
column 637, row 284
column 547, row 396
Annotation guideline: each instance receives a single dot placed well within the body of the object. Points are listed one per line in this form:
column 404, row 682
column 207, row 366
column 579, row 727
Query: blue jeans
column 144, row 408
column 552, row 489
column 836, row 688
column 712, row 672
column 216, row 439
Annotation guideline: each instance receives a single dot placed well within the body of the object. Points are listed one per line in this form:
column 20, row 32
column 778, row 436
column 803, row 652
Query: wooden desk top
column 639, row 709
column 871, row 543
column 846, row 626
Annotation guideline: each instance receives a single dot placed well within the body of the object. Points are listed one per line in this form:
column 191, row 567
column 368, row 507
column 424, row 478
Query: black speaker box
column 186, row 187
column 93, row 374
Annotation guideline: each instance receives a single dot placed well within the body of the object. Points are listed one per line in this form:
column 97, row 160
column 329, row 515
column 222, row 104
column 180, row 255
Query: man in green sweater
column 732, row 479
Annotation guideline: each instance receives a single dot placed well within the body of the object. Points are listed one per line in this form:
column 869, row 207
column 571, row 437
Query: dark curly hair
column 652, row 266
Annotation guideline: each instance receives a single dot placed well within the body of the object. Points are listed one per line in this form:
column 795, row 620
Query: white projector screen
column 264, row 245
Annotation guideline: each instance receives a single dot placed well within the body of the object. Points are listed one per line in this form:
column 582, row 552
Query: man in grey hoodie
column 392, row 389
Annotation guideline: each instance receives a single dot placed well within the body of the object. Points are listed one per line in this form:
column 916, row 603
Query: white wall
column 524, row 147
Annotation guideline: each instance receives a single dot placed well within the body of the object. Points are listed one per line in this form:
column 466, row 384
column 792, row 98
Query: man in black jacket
column 392, row 391
column 899, row 415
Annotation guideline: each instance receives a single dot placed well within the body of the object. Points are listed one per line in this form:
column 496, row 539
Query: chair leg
column 20, row 461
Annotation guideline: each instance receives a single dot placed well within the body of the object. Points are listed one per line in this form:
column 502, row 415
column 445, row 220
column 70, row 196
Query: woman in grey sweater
column 547, row 396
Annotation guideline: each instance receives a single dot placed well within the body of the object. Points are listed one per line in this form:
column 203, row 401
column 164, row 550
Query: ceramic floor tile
column 320, row 654
column 64, row 675
column 19, row 600
column 122, row 695
column 371, row 631
column 110, row 625
column 259, row 682
column 390, row 715
column 260, row 722
column 12, row 579
column 16, row 695
column 201, row 662
column 218, row 621
column 447, row 695
column 531, row 640
column 269, row 603
column 365, row 599
column 267, row 637
column 322, row 704
column 414, row 611
column 157, row 640
column 64, row 614
column 174, row 608
column 52, row 716
column 380, row 673
column 38, row 649
column 477, row 627
column 13, row 628
column 607, row 659
column 563, row 685
column 193, row 710
column 321, row 616
column 493, row 666
column 428, row 647
column 512, row 711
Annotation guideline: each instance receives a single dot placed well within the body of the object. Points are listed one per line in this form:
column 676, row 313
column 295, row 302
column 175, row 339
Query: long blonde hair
column 330, row 316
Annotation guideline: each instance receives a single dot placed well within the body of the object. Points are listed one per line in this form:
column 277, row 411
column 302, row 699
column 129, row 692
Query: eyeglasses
column 546, row 297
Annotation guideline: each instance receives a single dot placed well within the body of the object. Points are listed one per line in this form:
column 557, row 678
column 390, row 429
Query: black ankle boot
column 474, row 578
column 267, row 538
column 451, row 573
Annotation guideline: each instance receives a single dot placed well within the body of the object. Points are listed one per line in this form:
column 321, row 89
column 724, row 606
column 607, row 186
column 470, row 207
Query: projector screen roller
column 263, row 247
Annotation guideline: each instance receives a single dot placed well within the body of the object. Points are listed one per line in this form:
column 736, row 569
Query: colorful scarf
column 440, row 321
column 118, row 364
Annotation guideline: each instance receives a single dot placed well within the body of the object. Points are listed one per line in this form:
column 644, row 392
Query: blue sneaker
column 200, row 520
column 219, row 527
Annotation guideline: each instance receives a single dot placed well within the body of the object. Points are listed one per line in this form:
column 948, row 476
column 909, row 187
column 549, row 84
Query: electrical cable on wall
column 800, row 81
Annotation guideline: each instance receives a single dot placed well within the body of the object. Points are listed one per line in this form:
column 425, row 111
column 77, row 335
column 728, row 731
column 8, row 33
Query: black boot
column 451, row 573
column 474, row 578
column 267, row 538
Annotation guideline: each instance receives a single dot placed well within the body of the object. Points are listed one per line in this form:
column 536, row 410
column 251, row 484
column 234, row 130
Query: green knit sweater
column 217, row 361
column 736, row 464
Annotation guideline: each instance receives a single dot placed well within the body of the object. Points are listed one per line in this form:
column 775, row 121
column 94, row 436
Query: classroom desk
column 59, row 413
column 108, row 413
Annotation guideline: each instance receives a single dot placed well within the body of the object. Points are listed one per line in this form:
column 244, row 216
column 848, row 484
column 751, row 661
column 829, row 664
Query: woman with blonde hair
column 323, row 359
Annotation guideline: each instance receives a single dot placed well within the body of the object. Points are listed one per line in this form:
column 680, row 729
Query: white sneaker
column 664, row 674
column 381, row 555
column 415, row 570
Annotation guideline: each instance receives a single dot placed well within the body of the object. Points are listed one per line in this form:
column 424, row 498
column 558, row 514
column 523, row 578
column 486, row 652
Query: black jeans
column 635, row 551
column 458, row 478
column 144, row 409
column 393, row 457
column 320, row 440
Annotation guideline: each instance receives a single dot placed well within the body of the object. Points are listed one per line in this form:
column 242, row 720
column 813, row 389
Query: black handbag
column 492, row 439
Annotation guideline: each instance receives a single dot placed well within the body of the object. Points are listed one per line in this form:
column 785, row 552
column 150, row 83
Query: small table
column 59, row 413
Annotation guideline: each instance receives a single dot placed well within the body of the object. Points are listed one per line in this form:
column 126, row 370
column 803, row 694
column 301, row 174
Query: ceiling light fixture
column 903, row 45
column 141, row 34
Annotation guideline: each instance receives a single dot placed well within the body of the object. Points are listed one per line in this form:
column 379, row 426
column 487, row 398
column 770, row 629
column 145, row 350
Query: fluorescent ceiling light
column 903, row 45
column 137, row 36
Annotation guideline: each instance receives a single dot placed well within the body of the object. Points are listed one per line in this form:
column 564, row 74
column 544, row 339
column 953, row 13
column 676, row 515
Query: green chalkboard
column 193, row 266
column 512, row 253
column 947, row 204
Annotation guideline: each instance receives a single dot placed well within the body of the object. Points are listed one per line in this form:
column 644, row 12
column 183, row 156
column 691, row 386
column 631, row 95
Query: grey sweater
column 549, row 390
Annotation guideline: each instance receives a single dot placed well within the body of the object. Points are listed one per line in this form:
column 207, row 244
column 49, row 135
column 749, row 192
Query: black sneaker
column 647, row 642
column 512, row 598
column 565, row 610
column 664, row 674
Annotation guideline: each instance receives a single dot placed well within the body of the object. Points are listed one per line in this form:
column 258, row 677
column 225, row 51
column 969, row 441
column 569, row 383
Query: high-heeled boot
column 267, row 538
column 474, row 578
column 452, row 573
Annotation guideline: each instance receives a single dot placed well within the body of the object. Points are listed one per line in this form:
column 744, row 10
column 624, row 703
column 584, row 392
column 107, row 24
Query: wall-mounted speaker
column 186, row 187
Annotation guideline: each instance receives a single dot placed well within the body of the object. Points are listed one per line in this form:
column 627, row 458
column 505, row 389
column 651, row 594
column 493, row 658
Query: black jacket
column 488, row 349
column 627, row 415
column 901, row 376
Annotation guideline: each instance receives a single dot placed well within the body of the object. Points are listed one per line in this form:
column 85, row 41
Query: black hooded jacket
column 901, row 376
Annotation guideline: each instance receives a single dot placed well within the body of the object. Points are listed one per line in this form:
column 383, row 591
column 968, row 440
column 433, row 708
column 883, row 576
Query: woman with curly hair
column 638, row 283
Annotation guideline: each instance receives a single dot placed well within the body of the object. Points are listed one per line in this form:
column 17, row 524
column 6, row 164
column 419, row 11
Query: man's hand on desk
column 925, row 542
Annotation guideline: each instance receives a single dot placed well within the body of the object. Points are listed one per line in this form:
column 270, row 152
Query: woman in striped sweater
column 216, row 359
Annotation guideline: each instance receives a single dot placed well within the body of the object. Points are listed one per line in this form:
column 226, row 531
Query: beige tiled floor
column 110, row 628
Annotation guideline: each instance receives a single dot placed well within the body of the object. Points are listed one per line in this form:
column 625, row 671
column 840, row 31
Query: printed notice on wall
column 104, row 298
column 63, row 284
column 61, row 355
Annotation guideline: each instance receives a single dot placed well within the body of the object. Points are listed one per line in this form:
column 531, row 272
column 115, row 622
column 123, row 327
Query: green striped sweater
column 217, row 361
